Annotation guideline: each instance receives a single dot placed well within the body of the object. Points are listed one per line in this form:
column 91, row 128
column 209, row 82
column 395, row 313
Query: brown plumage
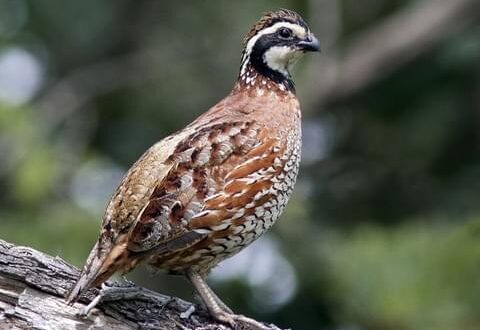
column 207, row 191
column 270, row 18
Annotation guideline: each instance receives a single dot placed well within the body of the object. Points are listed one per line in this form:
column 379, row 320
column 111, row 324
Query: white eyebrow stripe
column 297, row 29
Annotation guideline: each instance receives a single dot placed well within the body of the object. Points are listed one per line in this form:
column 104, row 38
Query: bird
column 204, row 193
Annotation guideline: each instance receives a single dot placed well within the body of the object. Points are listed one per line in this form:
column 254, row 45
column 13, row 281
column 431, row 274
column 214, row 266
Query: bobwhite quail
column 204, row 193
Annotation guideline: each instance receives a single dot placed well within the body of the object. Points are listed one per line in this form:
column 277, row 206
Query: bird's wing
column 110, row 253
column 211, row 166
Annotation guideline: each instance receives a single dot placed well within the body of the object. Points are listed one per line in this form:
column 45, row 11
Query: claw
column 233, row 319
column 217, row 308
column 85, row 311
column 188, row 312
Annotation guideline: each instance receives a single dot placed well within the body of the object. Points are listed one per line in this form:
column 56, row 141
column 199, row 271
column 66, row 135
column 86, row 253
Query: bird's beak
column 310, row 44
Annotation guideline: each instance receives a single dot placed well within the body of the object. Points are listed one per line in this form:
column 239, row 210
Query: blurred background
column 383, row 230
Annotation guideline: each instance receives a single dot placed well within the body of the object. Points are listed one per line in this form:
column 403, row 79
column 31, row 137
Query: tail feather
column 98, row 268
column 87, row 276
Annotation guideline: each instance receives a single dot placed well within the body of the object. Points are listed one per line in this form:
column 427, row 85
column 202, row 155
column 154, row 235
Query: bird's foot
column 235, row 319
column 186, row 314
column 85, row 311
column 122, row 291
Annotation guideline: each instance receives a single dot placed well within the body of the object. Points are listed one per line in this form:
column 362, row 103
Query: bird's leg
column 107, row 293
column 219, row 301
column 122, row 291
column 216, row 307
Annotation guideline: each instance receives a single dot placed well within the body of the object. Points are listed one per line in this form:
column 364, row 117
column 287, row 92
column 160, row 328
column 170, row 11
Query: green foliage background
column 383, row 230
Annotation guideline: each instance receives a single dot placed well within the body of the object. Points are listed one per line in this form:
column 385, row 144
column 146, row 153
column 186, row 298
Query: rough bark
column 32, row 289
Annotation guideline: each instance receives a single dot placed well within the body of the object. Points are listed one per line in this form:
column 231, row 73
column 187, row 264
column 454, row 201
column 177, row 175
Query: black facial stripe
column 262, row 45
column 268, row 41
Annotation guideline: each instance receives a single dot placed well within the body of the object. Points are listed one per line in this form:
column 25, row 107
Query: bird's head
column 276, row 42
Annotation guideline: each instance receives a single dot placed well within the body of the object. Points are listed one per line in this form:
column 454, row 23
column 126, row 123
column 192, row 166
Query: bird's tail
column 98, row 268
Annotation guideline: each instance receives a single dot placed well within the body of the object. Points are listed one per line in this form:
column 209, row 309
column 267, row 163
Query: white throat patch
column 298, row 30
column 281, row 58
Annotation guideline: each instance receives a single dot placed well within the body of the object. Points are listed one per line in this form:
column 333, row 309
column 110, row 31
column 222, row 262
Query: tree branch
column 32, row 287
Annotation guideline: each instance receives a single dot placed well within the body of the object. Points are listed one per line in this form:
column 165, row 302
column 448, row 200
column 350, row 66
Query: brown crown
column 272, row 17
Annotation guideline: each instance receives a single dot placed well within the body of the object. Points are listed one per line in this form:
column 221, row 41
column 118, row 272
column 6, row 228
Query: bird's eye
column 285, row 33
